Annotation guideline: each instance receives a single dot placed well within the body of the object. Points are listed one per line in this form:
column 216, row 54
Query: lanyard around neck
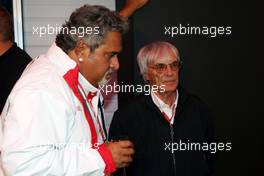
column 92, row 113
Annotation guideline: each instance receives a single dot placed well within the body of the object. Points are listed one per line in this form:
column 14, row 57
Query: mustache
column 109, row 72
column 170, row 80
column 106, row 78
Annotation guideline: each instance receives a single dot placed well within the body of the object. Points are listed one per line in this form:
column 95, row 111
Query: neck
column 82, row 69
column 4, row 46
column 167, row 97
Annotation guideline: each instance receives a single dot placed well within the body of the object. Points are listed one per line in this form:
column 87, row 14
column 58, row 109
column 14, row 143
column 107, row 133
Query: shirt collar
column 9, row 50
column 65, row 63
column 61, row 59
column 92, row 93
column 87, row 86
column 160, row 104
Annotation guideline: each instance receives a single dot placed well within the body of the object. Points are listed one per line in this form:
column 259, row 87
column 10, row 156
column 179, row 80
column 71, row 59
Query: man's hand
column 122, row 152
column 131, row 6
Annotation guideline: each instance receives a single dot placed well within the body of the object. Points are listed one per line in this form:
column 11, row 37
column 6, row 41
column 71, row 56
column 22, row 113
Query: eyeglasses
column 162, row 67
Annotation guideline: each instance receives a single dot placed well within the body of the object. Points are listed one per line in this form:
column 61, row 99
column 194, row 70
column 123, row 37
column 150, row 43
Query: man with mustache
column 162, row 123
column 52, row 122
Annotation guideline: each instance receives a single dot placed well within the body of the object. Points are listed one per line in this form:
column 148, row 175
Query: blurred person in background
column 13, row 60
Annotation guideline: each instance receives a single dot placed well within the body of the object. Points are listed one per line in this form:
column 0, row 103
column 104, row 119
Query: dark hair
column 94, row 17
column 6, row 25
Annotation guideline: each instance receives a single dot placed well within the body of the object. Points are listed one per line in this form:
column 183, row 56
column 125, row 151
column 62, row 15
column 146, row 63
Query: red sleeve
column 108, row 159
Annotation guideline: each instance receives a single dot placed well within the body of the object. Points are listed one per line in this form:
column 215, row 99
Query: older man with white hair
column 160, row 123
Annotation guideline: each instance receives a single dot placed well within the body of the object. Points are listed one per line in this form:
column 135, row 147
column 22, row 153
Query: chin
column 103, row 82
column 170, row 90
column 105, row 79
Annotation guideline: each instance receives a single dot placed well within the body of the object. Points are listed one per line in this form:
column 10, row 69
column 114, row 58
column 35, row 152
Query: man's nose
column 168, row 70
column 114, row 63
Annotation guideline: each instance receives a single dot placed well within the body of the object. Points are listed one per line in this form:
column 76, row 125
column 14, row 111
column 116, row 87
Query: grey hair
column 93, row 17
column 152, row 51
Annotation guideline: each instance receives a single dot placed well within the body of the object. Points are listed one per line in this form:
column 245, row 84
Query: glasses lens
column 160, row 67
column 175, row 65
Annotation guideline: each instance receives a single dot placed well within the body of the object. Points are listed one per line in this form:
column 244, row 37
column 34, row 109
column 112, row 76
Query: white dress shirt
column 163, row 107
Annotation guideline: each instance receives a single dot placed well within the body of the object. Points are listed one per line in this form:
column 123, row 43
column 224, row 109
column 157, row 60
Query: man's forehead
column 113, row 50
column 112, row 42
column 109, row 49
column 165, row 60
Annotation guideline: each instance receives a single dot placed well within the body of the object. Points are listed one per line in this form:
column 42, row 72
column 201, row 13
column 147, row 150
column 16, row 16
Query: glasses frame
column 160, row 67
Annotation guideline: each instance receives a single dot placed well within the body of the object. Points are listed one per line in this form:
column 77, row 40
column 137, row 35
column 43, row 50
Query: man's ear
column 81, row 49
column 145, row 77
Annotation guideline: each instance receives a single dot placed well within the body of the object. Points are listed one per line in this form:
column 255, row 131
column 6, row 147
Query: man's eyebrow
column 113, row 53
column 167, row 63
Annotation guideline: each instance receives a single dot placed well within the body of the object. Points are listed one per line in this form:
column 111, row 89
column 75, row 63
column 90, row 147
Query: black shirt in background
column 12, row 64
